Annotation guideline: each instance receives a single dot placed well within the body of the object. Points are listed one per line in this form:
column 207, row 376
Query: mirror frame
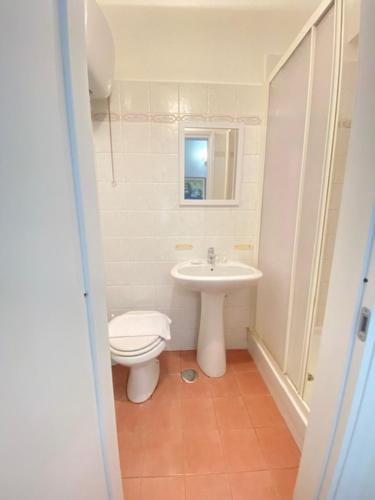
column 239, row 158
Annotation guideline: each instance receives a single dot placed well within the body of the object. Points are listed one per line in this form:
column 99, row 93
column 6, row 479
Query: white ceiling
column 221, row 4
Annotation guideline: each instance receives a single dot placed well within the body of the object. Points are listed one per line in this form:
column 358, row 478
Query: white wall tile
column 117, row 249
column 140, row 196
column 141, row 219
column 218, row 222
column 236, row 338
column 137, row 297
column 129, row 273
column 103, row 165
column 165, row 167
column 135, row 97
column 164, row 138
column 193, row 98
column 144, row 250
column 136, row 137
column 191, row 222
column 244, row 223
column 250, row 168
column 140, row 224
column 249, row 196
column 174, row 297
column 167, row 250
column 164, row 97
column 149, row 168
column 114, row 224
column 252, row 140
column 250, row 100
column 222, row 99
column 237, row 316
column 112, row 197
column 162, row 273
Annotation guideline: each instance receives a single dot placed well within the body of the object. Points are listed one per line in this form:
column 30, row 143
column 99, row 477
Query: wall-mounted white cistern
column 213, row 280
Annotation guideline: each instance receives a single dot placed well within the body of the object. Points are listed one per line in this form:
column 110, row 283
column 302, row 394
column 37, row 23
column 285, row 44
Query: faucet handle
column 211, row 251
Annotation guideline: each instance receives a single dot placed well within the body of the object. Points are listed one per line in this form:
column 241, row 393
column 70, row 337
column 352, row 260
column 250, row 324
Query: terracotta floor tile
column 199, row 389
column 231, row 413
column 240, row 360
column 163, row 453
column 182, row 442
column 129, row 416
column 162, row 488
column 131, row 488
column 241, row 450
column 252, row 486
column 207, row 487
column 170, row 362
column 169, row 387
column 278, row 447
column 223, row 386
column 198, row 414
column 251, row 383
column 263, row 410
column 203, row 452
column 160, row 415
column 131, row 454
column 285, row 481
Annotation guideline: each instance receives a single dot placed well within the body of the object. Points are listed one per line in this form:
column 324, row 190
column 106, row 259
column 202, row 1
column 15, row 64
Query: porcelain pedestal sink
column 213, row 282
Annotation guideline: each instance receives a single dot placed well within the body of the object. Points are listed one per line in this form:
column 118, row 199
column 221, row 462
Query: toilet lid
column 134, row 345
column 128, row 342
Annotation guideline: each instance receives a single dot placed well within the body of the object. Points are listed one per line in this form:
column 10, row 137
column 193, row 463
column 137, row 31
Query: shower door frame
column 293, row 394
column 325, row 188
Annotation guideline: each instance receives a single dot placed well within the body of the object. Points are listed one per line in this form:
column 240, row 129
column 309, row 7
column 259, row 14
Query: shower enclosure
column 308, row 123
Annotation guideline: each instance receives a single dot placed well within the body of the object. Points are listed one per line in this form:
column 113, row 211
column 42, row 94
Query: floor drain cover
column 189, row 376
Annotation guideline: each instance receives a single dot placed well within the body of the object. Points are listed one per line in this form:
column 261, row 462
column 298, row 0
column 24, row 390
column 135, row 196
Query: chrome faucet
column 211, row 256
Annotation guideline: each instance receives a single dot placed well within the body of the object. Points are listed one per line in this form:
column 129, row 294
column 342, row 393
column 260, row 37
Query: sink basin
column 213, row 282
column 200, row 277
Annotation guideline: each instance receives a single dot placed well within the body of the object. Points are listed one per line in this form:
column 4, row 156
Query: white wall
column 141, row 219
column 199, row 45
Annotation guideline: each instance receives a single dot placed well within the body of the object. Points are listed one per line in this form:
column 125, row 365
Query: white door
column 353, row 450
column 57, row 428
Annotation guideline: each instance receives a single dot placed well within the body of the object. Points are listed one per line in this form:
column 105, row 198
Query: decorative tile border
column 175, row 117
column 180, row 117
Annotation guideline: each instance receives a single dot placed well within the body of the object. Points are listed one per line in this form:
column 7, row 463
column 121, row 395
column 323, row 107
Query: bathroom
column 189, row 223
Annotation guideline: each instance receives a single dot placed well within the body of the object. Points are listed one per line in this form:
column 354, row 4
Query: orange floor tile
column 216, row 439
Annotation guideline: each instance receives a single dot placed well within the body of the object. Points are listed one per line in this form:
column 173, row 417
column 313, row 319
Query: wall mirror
column 210, row 163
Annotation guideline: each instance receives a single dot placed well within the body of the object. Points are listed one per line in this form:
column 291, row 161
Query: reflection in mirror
column 210, row 164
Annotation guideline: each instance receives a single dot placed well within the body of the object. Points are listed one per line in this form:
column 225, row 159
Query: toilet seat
column 124, row 341
column 133, row 346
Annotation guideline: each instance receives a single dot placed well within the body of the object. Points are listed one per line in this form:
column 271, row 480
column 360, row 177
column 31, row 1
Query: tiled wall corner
column 141, row 219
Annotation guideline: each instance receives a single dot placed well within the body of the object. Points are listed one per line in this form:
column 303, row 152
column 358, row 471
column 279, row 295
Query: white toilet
column 136, row 339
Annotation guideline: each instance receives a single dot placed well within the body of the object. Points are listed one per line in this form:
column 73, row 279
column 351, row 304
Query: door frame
column 71, row 20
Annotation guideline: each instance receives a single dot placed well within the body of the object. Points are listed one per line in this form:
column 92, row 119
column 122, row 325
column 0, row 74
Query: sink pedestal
column 211, row 354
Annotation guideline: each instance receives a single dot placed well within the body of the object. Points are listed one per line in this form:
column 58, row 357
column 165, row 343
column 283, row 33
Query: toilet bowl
column 136, row 339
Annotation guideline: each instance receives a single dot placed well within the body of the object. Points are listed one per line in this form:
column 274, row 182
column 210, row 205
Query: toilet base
column 142, row 381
